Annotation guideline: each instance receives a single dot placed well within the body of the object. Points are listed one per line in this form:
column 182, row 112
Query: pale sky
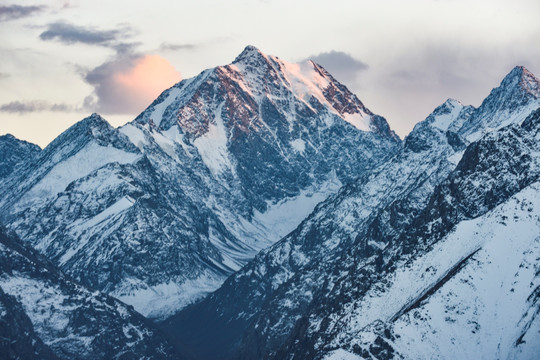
column 62, row 60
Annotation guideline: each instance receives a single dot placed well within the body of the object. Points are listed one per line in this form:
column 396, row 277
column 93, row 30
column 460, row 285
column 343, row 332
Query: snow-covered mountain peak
column 256, row 82
column 450, row 104
column 93, row 127
column 440, row 127
column 93, row 122
column 250, row 56
column 444, row 115
column 9, row 139
column 518, row 87
column 522, row 78
column 81, row 149
column 515, row 98
column 95, row 117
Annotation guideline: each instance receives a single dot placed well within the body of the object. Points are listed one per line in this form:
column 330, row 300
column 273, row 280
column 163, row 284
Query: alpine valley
column 260, row 211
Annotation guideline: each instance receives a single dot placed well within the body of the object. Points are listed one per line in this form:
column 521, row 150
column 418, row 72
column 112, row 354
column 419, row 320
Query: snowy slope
column 288, row 301
column 473, row 293
column 426, row 159
column 159, row 212
column 17, row 335
column 501, row 278
column 514, row 100
column 290, row 116
column 62, row 319
column 485, row 304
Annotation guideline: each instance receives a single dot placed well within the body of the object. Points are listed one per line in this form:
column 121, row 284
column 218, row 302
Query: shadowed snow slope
column 45, row 315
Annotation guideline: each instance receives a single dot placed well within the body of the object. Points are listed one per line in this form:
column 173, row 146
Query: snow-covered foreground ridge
column 159, row 212
column 473, row 295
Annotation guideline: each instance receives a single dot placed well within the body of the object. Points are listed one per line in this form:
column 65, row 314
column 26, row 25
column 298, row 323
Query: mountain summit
column 250, row 55
column 516, row 97
column 522, row 78
column 14, row 152
column 159, row 212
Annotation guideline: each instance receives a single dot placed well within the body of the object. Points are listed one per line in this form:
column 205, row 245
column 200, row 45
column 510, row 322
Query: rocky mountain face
column 14, row 152
column 159, row 212
column 45, row 315
column 419, row 258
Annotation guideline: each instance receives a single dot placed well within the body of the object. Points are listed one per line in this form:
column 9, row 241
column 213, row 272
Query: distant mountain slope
column 45, row 315
column 159, row 212
column 303, row 297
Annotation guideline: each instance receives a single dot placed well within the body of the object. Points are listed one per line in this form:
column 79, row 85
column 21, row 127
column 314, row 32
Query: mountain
column 461, row 278
column 86, row 146
column 159, row 212
column 14, row 152
column 45, row 315
column 389, row 266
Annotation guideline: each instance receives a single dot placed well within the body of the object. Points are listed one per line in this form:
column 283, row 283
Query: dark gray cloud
column 23, row 107
column 125, row 48
column 71, row 34
column 341, row 65
column 12, row 12
column 124, row 83
column 177, row 47
column 4, row 75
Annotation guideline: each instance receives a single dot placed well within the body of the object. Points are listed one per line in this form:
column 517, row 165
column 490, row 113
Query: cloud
column 341, row 65
column 23, row 107
column 4, row 75
column 176, row 47
column 127, row 84
column 71, row 34
column 12, row 12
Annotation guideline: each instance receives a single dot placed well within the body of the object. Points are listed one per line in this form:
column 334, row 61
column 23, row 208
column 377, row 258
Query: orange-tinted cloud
column 128, row 85
column 148, row 78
